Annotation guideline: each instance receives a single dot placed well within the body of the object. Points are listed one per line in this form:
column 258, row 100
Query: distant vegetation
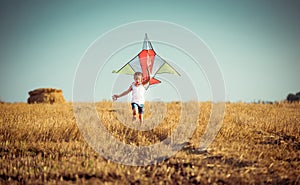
column 293, row 97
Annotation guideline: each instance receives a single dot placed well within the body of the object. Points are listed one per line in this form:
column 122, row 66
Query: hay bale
column 46, row 95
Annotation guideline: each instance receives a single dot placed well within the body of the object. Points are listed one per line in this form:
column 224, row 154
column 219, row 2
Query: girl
column 138, row 95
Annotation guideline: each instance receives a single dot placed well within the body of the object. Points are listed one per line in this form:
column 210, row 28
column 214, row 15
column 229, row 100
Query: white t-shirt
column 138, row 94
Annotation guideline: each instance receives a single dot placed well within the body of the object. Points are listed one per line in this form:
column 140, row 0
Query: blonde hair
column 138, row 74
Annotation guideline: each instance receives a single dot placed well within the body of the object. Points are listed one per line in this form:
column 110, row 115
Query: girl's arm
column 115, row 97
column 148, row 79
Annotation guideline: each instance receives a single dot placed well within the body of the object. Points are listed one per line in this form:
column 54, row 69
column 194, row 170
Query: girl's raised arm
column 148, row 79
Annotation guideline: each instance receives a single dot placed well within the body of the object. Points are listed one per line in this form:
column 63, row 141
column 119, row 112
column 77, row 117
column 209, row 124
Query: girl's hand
column 115, row 97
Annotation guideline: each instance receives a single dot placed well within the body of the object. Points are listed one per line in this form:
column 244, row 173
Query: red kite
column 147, row 62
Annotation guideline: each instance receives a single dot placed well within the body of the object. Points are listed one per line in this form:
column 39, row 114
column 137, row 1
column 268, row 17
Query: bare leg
column 134, row 111
column 141, row 118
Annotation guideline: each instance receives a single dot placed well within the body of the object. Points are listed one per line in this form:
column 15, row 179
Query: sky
column 256, row 44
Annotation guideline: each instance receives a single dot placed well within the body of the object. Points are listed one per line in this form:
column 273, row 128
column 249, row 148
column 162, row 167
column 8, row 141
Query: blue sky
column 256, row 43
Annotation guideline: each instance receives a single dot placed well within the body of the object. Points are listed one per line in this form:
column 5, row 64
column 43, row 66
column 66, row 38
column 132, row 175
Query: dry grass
column 257, row 144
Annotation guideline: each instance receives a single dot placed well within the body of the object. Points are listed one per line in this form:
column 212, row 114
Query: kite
column 149, row 63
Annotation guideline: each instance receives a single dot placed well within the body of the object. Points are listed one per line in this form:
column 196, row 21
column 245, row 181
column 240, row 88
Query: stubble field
column 257, row 144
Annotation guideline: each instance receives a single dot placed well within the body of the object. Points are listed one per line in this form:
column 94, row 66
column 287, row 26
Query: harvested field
column 257, row 144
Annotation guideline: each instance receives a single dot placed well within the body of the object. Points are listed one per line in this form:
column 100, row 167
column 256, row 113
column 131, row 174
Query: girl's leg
column 141, row 118
column 134, row 112
column 141, row 112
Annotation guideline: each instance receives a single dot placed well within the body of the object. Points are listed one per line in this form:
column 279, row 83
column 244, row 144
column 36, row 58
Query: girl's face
column 138, row 78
